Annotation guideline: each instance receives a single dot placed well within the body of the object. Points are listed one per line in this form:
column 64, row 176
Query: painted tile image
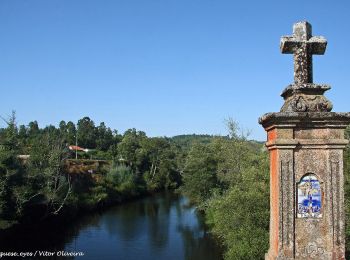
column 309, row 197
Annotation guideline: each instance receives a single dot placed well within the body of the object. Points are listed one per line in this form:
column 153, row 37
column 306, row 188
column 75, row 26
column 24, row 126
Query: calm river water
column 154, row 228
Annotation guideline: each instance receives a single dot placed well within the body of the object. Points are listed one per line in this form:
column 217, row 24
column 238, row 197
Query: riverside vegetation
column 40, row 186
column 227, row 177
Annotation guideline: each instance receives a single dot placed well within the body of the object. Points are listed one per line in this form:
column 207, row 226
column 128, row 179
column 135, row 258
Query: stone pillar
column 306, row 141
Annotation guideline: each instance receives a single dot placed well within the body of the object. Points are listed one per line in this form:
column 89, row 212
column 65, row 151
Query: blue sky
column 166, row 67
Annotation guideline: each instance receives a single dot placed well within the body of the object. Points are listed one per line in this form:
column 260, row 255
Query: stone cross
column 303, row 45
column 305, row 142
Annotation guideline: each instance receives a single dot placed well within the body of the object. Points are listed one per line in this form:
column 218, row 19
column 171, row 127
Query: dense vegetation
column 226, row 177
column 38, row 186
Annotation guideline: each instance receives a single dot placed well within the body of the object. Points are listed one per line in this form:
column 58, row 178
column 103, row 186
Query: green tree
column 33, row 128
column 130, row 148
column 240, row 218
column 113, row 148
column 161, row 169
column 104, row 137
column 46, row 179
column 11, row 173
column 239, row 215
column 87, row 133
column 71, row 133
column 63, row 126
column 199, row 177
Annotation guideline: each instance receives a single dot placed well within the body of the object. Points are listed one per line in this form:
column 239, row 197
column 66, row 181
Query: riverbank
column 159, row 226
column 83, row 186
column 68, row 214
column 32, row 220
column 19, row 237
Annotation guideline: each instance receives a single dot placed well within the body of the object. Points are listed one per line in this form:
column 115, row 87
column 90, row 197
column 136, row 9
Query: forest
column 226, row 177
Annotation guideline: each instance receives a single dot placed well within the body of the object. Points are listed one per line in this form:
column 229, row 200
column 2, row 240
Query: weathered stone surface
column 301, row 144
column 306, row 97
column 331, row 118
column 306, row 141
column 303, row 95
column 303, row 45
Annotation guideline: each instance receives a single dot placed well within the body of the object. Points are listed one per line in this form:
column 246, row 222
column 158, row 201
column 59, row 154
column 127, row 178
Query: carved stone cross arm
column 303, row 45
column 316, row 44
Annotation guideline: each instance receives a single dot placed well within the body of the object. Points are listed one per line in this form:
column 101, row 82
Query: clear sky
column 166, row 67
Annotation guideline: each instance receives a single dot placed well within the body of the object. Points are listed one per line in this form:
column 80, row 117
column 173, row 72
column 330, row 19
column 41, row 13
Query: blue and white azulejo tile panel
column 309, row 197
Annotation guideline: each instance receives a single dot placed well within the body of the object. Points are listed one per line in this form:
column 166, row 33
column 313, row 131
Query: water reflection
column 157, row 227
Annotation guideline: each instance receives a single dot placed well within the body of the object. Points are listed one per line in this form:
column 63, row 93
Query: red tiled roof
column 74, row 147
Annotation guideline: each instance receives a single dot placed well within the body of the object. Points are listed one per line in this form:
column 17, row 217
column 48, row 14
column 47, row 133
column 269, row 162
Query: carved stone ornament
column 307, row 103
column 304, row 95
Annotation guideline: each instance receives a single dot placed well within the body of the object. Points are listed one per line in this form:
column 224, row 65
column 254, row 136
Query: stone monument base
column 306, row 181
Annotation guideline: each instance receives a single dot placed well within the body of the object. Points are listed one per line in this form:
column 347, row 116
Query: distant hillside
column 257, row 145
column 185, row 141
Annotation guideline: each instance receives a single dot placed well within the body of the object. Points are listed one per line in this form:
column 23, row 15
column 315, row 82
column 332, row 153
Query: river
column 162, row 226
